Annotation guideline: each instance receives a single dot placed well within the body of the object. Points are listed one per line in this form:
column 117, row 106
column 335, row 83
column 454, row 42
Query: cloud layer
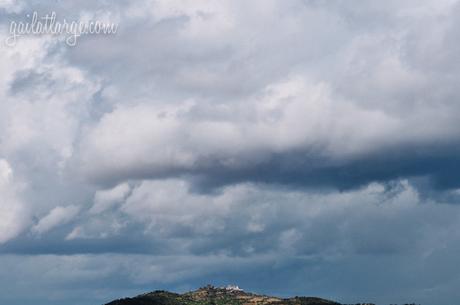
column 287, row 147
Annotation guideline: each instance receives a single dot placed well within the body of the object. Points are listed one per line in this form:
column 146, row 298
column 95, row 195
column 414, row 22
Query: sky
column 289, row 147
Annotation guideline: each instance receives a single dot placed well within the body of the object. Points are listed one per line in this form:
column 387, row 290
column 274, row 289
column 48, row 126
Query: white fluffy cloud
column 14, row 215
column 44, row 102
column 105, row 199
column 288, row 116
column 251, row 219
column 12, row 6
column 58, row 216
column 339, row 94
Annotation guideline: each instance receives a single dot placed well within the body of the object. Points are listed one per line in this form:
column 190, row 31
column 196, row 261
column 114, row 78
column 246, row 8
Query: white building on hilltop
column 233, row 288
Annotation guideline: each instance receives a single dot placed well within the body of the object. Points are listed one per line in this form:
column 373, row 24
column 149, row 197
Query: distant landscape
column 229, row 295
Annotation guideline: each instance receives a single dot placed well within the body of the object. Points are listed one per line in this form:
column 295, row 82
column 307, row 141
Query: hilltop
column 210, row 295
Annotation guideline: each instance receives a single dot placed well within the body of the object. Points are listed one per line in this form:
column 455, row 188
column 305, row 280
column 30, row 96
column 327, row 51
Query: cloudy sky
column 290, row 147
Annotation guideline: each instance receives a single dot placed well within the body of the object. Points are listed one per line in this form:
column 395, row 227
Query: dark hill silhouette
column 211, row 295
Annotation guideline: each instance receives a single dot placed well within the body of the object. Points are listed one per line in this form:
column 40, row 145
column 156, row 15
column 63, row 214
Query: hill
column 211, row 295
